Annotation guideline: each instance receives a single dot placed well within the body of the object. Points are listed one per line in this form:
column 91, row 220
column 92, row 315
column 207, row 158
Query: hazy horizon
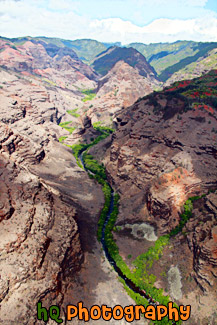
column 111, row 21
column 104, row 42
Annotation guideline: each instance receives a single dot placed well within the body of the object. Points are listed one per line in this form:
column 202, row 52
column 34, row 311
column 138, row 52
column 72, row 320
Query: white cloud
column 160, row 30
column 31, row 17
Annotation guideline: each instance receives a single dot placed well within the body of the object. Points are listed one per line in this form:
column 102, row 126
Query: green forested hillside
column 168, row 58
column 197, row 68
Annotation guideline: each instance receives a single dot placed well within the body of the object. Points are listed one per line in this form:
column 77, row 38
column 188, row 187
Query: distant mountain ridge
column 60, row 68
column 165, row 58
column 168, row 58
column 86, row 49
column 195, row 69
column 58, row 65
column 107, row 59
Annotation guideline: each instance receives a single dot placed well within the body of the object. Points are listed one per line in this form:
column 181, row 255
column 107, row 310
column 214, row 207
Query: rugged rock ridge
column 161, row 157
column 122, row 71
column 29, row 97
column 107, row 59
column 34, row 260
column 119, row 88
column 45, row 200
column 162, row 153
column 202, row 239
column 61, row 67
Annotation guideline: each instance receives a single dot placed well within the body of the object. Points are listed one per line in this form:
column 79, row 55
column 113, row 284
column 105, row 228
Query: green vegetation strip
column 89, row 94
column 186, row 215
column 65, row 126
column 61, row 139
column 139, row 275
column 77, row 149
column 73, row 113
column 70, row 129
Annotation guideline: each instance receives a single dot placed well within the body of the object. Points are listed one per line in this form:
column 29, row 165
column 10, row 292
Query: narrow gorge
column 108, row 177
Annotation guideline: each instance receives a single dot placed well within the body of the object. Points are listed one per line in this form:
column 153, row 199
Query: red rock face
column 120, row 88
column 33, row 58
column 161, row 158
column 156, row 161
column 203, row 243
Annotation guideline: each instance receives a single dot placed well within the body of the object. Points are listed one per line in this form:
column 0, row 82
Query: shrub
column 61, row 139
column 73, row 113
column 89, row 94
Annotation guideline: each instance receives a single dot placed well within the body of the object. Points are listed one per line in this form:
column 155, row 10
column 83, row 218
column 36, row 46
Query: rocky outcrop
column 84, row 133
column 202, row 239
column 158, row 163
column 64, row 69
column 162, row 153
column 107, row 59
column 45, row 201
column 119, row 88
column 34, row 259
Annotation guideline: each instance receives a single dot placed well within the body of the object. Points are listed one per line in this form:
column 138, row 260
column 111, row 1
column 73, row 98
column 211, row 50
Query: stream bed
column 112, row 262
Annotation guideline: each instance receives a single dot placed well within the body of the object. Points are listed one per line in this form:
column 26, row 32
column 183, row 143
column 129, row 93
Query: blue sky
column 111, row 20
column 144, row 12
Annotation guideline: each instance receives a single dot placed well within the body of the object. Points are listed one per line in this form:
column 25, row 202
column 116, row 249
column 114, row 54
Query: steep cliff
column 119, row 88
column 45, row 203
column 163, row 152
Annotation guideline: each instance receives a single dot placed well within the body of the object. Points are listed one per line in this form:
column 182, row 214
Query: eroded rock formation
column 46, row 201
column 162, row 153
